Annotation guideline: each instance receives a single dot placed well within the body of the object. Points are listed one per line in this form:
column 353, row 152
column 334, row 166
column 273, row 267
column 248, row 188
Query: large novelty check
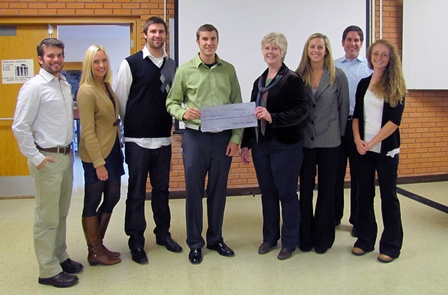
column 229, row 116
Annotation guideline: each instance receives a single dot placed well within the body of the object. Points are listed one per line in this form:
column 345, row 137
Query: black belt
column 350, row 118
column 59, row 150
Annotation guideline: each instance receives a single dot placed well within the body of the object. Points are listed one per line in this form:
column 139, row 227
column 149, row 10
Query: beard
column 156, row 45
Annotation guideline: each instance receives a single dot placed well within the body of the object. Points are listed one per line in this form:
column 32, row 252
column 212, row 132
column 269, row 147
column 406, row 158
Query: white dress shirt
column 122, row 89
column 44, row 115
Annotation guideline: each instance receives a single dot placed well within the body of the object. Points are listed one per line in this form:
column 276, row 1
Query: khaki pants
column 53, row 195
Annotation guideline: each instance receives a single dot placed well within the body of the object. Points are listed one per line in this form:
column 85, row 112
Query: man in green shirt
column 206, row 80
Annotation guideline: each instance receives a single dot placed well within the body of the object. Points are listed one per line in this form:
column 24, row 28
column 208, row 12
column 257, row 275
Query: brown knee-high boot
column 95, row 246
column 103, row 220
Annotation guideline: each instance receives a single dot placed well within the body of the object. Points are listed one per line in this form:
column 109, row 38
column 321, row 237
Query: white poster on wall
column 17, row 71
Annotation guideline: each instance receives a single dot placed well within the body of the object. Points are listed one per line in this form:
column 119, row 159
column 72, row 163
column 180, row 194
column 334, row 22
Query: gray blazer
column 327, row 112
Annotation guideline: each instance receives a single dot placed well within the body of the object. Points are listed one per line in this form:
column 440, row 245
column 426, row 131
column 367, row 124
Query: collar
column 146, row 53
column 198, row 61
column 282, row 71
column 358, row 59
column 48, row 76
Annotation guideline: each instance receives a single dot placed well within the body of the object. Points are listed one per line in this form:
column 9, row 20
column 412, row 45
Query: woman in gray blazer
column 327, row 97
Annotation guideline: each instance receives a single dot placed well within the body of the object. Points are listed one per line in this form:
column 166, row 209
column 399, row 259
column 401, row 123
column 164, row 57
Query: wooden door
column 21, row 46
column 15, row 180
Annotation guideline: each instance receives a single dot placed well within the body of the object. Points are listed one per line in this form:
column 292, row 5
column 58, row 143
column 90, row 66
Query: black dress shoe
column 319, row 250
column 61, row 280
column 222, row 249
column 70, row 266
column 139, row 256
column 169, row 244
column 195, row 256
column 305, row 248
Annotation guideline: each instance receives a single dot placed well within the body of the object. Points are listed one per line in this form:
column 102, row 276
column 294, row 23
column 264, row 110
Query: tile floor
column 421, row 269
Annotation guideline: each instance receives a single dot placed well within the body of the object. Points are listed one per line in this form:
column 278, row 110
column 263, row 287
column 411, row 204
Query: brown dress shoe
column 61, row 280
column 265, row 248
column 385, row 258
column 284, row 253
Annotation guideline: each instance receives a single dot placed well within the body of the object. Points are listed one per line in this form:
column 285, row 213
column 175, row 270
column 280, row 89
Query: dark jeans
column 347, row 150
column 142, row 161
column 317, row 230
column 205, row 153
column 278, row 166
column 392, row 237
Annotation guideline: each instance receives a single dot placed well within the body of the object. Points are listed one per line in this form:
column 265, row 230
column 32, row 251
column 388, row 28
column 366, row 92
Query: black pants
column 347, row 150
column 317, row 230
column 142, row 161
column 277, row 166
column 392, row 236
column 205, row 153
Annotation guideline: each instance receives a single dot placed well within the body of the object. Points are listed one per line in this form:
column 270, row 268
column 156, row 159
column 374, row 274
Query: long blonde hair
column 304, row 69
column 391, row 84
column 87, row 76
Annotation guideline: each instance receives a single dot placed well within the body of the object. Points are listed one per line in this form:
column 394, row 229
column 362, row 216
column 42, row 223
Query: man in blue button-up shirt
column 355, row 68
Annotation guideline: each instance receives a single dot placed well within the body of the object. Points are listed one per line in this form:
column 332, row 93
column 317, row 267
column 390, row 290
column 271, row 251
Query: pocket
column 46, row 167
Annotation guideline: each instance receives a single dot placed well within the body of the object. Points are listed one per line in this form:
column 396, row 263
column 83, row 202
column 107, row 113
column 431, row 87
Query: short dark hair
column 206, row 28
column 154, row 20
column 353, row 28
column 49, row 42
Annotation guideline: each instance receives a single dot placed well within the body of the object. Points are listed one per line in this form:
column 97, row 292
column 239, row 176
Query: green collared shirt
column 196, row 85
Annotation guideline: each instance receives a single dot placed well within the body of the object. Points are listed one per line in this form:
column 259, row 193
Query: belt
column 193, row 126
column 60, row 150
column 350, row 118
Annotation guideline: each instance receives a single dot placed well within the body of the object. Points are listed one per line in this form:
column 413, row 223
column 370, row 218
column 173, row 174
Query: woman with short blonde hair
column 276, row 145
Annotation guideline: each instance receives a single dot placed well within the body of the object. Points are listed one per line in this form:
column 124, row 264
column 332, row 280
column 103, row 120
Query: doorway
column 20, row 43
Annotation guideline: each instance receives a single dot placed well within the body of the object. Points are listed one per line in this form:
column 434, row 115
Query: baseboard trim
column 247, row 191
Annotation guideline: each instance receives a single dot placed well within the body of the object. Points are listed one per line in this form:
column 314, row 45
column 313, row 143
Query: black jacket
column 287, row 105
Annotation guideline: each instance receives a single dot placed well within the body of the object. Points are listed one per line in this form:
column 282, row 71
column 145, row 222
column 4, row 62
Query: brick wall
column 141, row 8
column 425, row 121
column 424, row 130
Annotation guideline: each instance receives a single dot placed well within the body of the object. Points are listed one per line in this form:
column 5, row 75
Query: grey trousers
column 205, row 154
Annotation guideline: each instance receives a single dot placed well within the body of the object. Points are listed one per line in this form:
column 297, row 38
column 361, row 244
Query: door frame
column 9, row 184
column 133, row 21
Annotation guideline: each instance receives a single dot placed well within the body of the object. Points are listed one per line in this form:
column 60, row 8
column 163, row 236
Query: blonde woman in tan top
column 100, row 152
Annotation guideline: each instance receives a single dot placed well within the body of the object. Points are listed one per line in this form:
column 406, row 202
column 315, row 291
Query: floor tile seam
column 423, row 200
